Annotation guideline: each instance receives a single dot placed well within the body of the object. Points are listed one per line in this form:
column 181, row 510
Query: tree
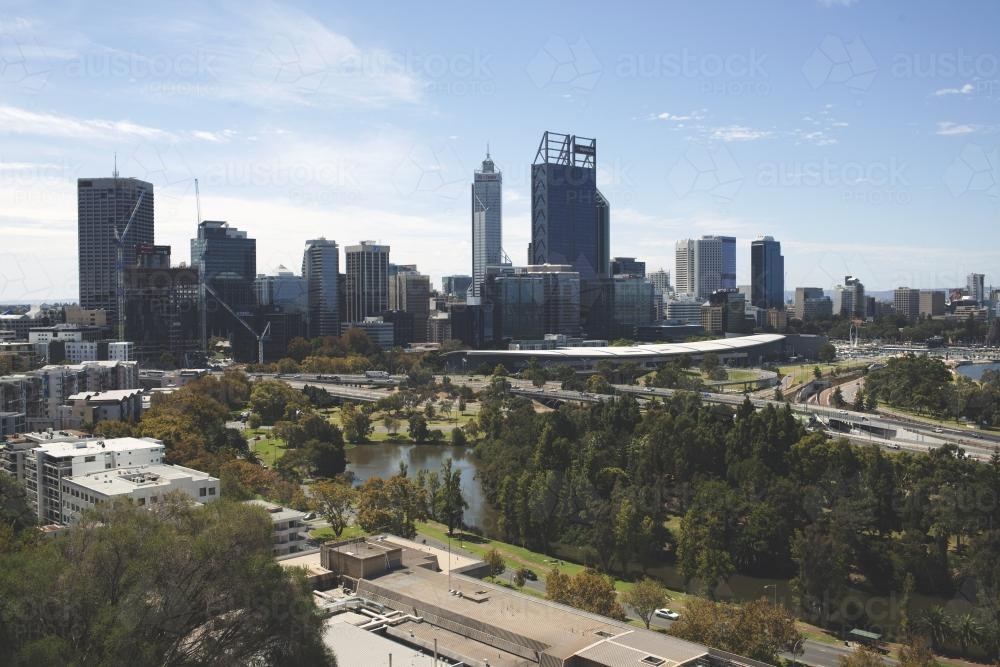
column 450, row 504
column 335, row 502
column 778, row 394
column 837, row 399
column 759, row 629
column 817, row 372
column 968, row 631
column 861, row 657
column 418, row 428
column 393, row 505
column 391, row 425
column 495, row 560
column 274, row 400
column 859, row 401
column 458, row 438
column 827, row 353
column 588, row 590
column 357, row 423
column 520, row 577
column 178, row 585
column 709, row 362
column 933, row 623
column 916, row 654
column 645, row 597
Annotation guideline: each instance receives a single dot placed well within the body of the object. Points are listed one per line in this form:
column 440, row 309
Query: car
column 893, row 445
column 309, row 516
column 530, row 575
column 668, row 614
column 939, row 430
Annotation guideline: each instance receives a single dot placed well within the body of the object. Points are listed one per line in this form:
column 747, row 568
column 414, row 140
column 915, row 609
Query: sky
column 861, row 134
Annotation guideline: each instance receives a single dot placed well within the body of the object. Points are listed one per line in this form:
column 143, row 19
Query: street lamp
column 797, row 649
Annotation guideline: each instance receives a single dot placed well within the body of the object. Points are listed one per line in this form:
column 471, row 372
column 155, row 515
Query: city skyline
column 322, row 119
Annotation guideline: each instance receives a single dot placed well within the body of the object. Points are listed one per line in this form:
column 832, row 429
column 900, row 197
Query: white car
column 668, row 614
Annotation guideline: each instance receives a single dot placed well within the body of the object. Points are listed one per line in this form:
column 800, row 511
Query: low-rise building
column 112, row 405
column 290, row 529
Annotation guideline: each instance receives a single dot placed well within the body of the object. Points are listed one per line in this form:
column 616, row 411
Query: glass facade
column 570, row 218
column 321, row 271
column 767, row 273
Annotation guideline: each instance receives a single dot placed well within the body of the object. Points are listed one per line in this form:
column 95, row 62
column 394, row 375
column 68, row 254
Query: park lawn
column 738, row 375
column 326, row 533
column 269, row 450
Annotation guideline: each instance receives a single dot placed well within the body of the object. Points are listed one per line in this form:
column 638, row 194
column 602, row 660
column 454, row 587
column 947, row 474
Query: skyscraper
column 570, row 218
column 487, row 221
column 906, row 302
column 767, row 273
column 699, row 263
column 227, row 261
column 727, row 279
column 975, row 284
column 849, row 298
column 103, row 207
column 321, row 271
column 410, row 292
column 367, row 288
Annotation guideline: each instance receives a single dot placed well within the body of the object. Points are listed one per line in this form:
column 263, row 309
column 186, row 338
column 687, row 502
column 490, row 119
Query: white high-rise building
column 487, row 221
column 699, row 266
column 975, row 284
column 367, row 288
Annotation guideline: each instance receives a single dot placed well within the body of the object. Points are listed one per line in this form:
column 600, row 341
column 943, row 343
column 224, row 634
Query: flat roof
column 277, row 512
column 354, row 646
column 107, row 396
column 539, row 624
column 123, row 481
column 97, row 445
column 722, row 345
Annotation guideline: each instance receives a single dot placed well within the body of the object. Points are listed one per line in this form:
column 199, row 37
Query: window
column 89, row 459
column 142, row 501
column 202, row 491
column 211, row 491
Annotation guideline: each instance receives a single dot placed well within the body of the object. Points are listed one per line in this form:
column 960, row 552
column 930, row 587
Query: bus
column 381, row 375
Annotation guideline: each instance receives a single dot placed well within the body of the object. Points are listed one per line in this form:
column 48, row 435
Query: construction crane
column 260, row 337
column 120, row 265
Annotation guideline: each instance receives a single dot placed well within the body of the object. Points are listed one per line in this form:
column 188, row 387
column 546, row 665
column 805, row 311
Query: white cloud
column 950, row 129
column 967, row 89
column 666, row 115
column 15, row 120
column 739, row 133
column 836, row 3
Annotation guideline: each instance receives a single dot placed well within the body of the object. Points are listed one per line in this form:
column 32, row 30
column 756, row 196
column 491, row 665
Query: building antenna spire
column 116, row 165
column 487, row 150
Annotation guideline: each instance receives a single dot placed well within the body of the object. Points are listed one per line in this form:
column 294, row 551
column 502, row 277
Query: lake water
column 975, row 371
column 381, row 459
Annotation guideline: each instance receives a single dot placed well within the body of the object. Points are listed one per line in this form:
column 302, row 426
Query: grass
column 326, row 533
column 269, row 450
column 801, row 373
column 516, row 556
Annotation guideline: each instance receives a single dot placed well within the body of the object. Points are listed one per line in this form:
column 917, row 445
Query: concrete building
column 724, row 312
column 367, row 285
column 932, row 303
column 121, row 351
column 906, row 302
column 570, row 218
column 111, row 405
column 487, row 221
column 439, row 327
column 700, row 263
column 767, row 273
column 87, row 317
column 382, row 333
column 684, row 310
column 635, row 304
column 976, row 287
column 65, row 476
column 21, row 323
column 104, row 206
column 456, row 286
column 283, row 290
column 410, row 292
column 162, row 313
column 849, row 299
column 629, row 266
column 321, row 273
column 812, row 304
column 290, row 529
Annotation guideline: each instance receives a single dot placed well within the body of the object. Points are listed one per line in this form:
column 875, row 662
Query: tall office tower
column 487, row 221
column 570, row 218
column 699, row 266
column 227, row 261
column 321, row 272
column 661, row 281
column 906, row 302
column 410, row 292
column 767, row 273
column 628, row 266
column 457, row 286
column 367, row 286
column 849, row 298
column 932, row 303
column 104, row 206
column 811, row 304
column 727, row 279
column 284, row 291
column 975, row 284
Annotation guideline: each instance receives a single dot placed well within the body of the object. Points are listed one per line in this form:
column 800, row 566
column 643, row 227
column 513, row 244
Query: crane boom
column 260, row 337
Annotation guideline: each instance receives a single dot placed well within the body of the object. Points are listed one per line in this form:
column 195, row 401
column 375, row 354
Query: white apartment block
column 289, row 527
column 63, row 477
column 121, row 351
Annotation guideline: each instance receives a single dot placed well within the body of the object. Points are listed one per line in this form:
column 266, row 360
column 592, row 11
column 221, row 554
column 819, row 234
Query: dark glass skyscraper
column 103, row 206
column 321, row 271
column 767, row 273
column 728, row 276
column 487, row 221
column 570, row 218
column 227, row 260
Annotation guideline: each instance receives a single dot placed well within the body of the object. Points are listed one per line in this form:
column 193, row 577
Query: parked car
column 893, row 445
column 939, row 430
column 309, row 516
column 530, row 575
column 668, row 614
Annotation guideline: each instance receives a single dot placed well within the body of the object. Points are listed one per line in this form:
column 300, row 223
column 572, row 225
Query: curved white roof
column 720, row 345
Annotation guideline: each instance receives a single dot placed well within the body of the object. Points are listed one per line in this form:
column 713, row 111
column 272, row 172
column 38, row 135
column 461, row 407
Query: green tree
column 495, row 560
column 274, row 400
column 827, row 353
column 758, row 629
column 861, row 657
column 817, row 372
column 588, row 590
column 391, row 425
column 335, row 502
column 934, row 624
column 916, row 653
column 418, row 428
column 645, row 597
column 357, row 423
column 449, row 503
column 837, row 399
column 393, row 505
column 709, row 362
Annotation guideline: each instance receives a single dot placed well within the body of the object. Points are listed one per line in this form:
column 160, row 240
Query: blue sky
column 863, row 135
